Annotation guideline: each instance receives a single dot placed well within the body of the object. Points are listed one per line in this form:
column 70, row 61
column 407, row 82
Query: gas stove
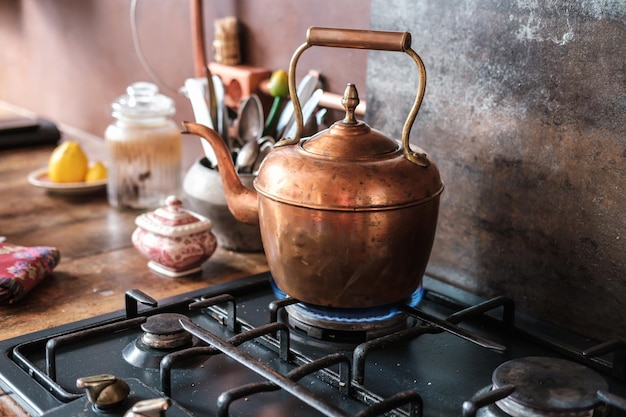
column 243, row 348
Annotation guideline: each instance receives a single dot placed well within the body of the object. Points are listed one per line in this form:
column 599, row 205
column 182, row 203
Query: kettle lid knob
column 350, row 101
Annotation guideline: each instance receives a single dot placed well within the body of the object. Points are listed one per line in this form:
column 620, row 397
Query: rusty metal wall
column 525, row 115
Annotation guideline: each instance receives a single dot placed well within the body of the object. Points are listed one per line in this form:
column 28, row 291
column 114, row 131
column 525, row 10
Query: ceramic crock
column 176, row 241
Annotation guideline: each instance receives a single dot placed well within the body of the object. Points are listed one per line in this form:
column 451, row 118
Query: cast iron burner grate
column 247, row 363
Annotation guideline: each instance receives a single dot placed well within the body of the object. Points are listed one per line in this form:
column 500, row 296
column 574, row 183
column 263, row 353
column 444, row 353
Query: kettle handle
column 361, row 39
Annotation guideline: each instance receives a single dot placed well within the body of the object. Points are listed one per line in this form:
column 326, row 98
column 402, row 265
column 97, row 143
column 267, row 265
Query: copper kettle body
column 348, row 215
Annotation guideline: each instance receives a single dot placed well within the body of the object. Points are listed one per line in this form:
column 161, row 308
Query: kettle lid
column 348, row 166
column 349, row 137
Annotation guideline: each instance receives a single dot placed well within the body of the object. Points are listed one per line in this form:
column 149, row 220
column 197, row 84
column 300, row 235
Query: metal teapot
column 348, row 215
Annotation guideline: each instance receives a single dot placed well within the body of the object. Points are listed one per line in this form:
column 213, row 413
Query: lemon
column 96, row 172
column 68, row 163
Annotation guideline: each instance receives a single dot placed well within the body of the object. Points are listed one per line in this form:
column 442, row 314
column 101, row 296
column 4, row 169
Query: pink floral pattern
column 22, row 268
column 175, row 253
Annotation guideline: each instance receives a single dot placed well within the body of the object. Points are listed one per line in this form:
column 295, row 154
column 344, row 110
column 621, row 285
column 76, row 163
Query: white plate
column 39, row 178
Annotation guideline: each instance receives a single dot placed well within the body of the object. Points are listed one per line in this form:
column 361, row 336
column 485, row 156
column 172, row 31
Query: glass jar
column 143, row 147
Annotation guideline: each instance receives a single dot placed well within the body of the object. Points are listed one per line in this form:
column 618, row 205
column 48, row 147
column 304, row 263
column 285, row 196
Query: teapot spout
column 242, row 202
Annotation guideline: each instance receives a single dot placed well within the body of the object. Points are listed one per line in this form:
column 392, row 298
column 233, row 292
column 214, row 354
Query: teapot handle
column 361, row 39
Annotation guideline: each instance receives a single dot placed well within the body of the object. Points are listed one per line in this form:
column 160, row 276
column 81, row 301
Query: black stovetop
column 436, row 370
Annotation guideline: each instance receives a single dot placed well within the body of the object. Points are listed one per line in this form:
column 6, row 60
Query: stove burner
column 162, row 335
column 348, row 325
column 547, row 386
column 328, row 329
column 163, row 331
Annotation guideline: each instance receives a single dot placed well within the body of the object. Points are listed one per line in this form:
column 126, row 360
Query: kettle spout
column 242, row 202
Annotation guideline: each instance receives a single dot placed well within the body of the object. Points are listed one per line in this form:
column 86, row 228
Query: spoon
column 266, row 144
column 250, row 119
column 252, row 154
column 246, row 157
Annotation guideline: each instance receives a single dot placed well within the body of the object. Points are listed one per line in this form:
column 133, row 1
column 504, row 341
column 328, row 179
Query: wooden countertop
column 98, row 261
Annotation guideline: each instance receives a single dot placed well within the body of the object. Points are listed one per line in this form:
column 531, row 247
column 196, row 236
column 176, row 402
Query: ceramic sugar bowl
column 175, row 240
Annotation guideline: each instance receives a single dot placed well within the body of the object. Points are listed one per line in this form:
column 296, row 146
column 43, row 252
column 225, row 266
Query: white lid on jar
column 142, row 101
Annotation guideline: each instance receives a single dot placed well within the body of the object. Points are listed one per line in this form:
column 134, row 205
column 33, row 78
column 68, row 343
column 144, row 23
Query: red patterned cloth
column 22, row 268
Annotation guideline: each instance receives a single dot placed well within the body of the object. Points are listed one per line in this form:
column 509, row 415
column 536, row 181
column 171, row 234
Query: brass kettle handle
column 360, row 39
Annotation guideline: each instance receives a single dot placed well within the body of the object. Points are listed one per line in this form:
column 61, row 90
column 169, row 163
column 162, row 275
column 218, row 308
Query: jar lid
column 172, row 220
column 142, row 100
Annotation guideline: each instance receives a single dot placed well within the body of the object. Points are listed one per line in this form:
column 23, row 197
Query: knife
column 307, row 111
column 222, row 123
column 307, row 86
column 211, row 97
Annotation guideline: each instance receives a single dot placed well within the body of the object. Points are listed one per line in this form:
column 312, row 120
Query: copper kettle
column 348, row 215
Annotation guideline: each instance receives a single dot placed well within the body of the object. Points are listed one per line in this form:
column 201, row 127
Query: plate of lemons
column 69, row 172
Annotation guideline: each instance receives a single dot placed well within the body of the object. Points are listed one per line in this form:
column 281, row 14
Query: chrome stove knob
column 104, row 390
column 149, row 408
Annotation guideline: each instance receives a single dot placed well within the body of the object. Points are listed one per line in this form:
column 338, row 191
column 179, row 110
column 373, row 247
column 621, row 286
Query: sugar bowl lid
column 172, row 220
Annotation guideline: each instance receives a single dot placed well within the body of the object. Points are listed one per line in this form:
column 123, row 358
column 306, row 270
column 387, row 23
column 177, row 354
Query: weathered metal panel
column 525, row 115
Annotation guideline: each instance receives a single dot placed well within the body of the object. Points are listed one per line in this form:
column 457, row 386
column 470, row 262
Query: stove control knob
column 104, row 390
column 149, row 408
